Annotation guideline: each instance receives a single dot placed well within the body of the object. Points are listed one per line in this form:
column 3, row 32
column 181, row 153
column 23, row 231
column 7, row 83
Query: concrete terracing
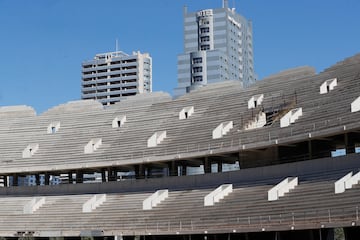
column 325, row 125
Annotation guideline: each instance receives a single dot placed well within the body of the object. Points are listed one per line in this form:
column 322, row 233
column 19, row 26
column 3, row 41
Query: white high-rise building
column 218, row 46
column 112, row 76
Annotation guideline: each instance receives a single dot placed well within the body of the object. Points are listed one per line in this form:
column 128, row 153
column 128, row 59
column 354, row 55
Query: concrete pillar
column 219, row 166
column 112, row 174
column 5, row 181
column 349, row 143
column 79, row 176
column 103, row 175
column 173, row 169
column 149, row 172
column 70, row 178
column 47, row 179
column 183, row 169
column 310, row 149
column 37, row 179
column 207, row 165
column 140, row 171
column 15, row 179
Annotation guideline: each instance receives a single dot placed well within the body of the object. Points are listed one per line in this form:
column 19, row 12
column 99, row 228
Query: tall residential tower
column 112, row 76
column 218, row 46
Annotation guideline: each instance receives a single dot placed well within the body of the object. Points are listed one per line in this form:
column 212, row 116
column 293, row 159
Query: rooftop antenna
column 116, row 45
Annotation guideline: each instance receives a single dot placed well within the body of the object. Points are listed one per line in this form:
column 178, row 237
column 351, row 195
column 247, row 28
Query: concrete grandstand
column 292, row 141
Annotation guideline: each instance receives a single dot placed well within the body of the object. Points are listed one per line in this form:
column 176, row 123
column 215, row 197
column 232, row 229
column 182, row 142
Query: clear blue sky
column 43, row 42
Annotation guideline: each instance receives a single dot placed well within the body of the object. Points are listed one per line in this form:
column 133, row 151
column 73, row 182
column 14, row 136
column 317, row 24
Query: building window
column 119, row 121
column 205, row 39
column 204, row 30
column 186, row 112
column 205, row 21
column 197, row 69
column 205, row 47
column 197, row 79
column 197, row 60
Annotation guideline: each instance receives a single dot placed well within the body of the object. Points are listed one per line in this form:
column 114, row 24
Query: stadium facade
column 113, row 76
column 218, row 46
column 285, row 133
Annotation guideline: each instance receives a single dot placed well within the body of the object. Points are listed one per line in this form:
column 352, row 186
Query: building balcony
column 126, row 90
column 125, row 71
column 129, row 64
column 90, row 88
column 129, row 84
column 129, row 78
column 116, row 72
column 102, row 94
column 114, row 86
column 88, row 95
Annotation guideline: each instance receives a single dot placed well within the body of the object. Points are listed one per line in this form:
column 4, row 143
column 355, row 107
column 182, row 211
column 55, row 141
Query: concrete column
column 47, row 179
column 112, row 174
column 103, row 175
column 183, row 169
column 79, row 177
column 15, row 179
column 140, row 171
column 5, row 181
column 37, row 179
column 70, row 178
column 349, row 144
column 149, row 171
column 219, row 167
column 310, row 149
column 173, row 169
column 207, row 165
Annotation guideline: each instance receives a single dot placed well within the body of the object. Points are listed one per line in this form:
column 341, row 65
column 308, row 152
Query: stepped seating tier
column 81, row 121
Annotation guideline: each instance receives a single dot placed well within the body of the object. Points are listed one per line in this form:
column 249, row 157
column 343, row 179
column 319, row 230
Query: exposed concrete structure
column 319, row 148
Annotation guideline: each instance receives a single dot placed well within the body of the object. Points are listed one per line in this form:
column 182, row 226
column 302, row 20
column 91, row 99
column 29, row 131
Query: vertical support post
column 37, row 179
column 207, row 165
column 349, row 144
column 140, row 171
column 47, row 179
column 310, row 149
column 149, row 172
column 79, row 176
column 70, row 177
column 173, row 169
column 103, row 175
column 5, row 181
column 112, row 174
column 183, row 169
column 219, row 167
column 15, row 179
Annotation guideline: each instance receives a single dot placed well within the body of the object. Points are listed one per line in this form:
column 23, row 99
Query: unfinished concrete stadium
column 278, row 160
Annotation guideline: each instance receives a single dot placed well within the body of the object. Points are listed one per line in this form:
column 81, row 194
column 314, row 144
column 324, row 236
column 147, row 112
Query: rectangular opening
column 186, row 112
column 118, row 121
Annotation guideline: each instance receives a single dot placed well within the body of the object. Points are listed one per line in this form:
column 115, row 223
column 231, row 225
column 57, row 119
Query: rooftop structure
column 218, row 46
column 113, row 76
